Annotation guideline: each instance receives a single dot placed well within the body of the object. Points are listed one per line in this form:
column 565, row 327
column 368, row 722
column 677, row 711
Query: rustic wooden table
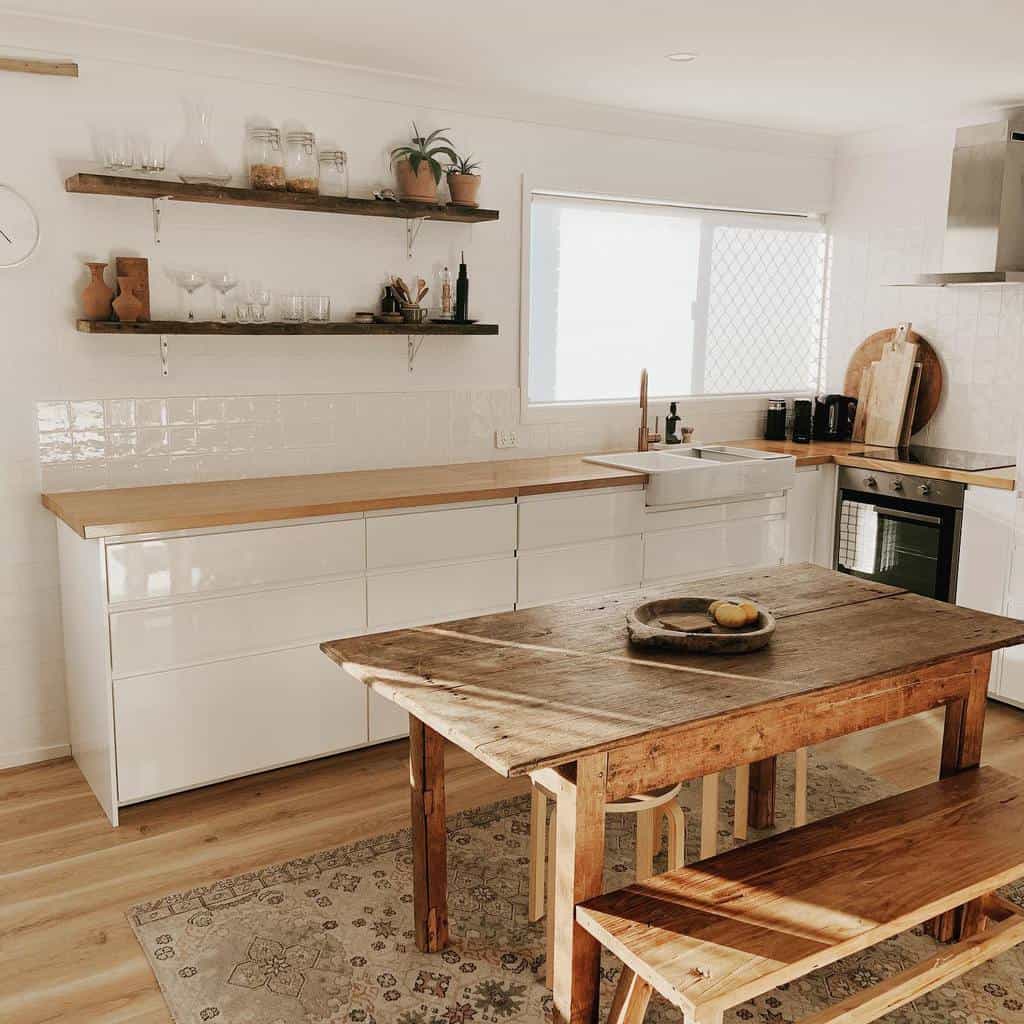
column 559, row 694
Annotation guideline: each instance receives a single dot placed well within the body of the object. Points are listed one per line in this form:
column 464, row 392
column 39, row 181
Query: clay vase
column 127, row 305
column 419, row 187
column 96, row 299
column 464, row 188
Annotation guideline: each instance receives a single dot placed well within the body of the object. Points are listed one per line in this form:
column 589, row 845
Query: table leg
column 429, row 838
column 762, row 793
column 961, row 750
column 579, row 871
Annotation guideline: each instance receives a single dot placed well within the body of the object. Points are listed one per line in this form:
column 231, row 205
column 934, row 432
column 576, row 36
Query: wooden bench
column 713, row 935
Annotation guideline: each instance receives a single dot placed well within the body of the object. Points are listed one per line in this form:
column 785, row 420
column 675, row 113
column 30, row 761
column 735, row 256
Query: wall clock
column 19, row 228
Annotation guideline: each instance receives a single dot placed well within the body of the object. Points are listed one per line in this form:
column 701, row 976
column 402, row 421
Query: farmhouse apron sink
column 704, row 472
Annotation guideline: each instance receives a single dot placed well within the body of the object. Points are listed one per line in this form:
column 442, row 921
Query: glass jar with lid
column 265, row 158
column 301, row 166
column 333, row 172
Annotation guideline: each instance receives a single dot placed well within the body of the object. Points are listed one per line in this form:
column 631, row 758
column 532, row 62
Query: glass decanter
column 194, row 158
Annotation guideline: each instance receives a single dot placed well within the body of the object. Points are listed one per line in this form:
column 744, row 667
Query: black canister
column 775, row 423
column 803, row 416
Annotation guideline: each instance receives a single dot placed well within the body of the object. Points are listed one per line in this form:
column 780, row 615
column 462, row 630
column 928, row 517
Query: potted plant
column 464, row 181
column 416, row 166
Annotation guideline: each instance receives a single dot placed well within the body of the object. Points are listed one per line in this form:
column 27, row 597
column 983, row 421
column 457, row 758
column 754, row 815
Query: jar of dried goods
column 333, row 172
column 265, row 158
column 301, row 166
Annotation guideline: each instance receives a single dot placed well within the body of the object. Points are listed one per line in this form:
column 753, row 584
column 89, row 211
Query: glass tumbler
column 291, row 308
column 318, row 308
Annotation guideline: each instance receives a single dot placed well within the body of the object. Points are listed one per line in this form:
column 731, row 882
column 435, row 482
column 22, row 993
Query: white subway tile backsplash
column 126, row 442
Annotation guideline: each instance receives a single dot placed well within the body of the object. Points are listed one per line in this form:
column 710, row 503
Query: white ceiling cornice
column 84, row 42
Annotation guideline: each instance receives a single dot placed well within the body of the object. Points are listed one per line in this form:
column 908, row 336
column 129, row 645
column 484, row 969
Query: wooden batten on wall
column 62, row 69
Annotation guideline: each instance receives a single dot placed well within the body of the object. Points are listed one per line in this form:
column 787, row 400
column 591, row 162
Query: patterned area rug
column 327, row 939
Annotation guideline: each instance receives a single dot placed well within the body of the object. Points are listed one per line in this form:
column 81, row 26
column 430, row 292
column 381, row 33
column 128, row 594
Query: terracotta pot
column 464, row 188
column 96, row 299
column 419, row 187
column 128, row 306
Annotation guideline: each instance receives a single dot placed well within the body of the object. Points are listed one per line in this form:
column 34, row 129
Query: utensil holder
column 414, row 314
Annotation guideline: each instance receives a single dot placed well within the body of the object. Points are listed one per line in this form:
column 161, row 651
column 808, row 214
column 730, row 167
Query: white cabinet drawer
column 551, row 521
column 438, row 592
column 443, row 535
column 205, row 563
column 387, row 720
column 555, row 574
column 198, row 725
column 719, row 512
column 707, row 550
column 154, row 639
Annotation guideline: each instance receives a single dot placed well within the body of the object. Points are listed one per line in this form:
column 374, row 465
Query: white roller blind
column 710, row 302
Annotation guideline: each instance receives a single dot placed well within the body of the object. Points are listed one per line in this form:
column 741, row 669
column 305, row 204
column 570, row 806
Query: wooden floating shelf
column 225, row 195
column 216, row 327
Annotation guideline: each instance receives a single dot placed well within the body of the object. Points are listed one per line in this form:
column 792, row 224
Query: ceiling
column 816, row 66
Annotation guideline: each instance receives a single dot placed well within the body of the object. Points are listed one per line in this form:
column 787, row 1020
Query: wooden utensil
column 908, row 413
column 869, row 350
column 890, row 386
column 860, row 418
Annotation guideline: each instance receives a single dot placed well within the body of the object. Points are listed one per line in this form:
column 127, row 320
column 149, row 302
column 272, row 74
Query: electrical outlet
column 506, row 439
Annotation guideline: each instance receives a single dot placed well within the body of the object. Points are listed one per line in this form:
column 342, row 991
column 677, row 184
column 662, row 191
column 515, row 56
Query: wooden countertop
column 819, row 453
column 134, row 510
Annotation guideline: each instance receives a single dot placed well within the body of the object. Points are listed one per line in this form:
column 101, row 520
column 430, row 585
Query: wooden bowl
column 683, row 623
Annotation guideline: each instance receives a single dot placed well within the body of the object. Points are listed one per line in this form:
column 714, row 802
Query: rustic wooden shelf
column 276, row 327
column 225, row 195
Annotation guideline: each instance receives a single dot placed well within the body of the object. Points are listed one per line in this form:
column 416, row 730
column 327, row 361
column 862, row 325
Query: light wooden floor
column 66, row 877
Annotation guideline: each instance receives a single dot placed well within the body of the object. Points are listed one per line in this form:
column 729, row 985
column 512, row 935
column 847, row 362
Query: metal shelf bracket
column 414, row 348
column 164, row 350
column 156, row 220
column 412, row 232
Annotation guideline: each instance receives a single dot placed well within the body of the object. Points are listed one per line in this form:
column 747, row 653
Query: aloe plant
column 465, row 165
column 426, row 149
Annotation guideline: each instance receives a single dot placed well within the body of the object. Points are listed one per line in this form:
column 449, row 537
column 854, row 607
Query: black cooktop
column 941, row 458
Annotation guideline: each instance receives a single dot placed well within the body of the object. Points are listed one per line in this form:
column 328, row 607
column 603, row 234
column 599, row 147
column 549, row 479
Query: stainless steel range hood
column 985, row 226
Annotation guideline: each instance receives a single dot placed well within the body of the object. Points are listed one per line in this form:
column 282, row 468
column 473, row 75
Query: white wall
column 888, row 220
column 240, row 406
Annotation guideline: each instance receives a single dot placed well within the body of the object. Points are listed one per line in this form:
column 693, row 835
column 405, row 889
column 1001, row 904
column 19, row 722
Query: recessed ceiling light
column 681, row 58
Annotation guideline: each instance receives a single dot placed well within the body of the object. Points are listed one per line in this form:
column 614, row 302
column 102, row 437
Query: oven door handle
column 913, row 517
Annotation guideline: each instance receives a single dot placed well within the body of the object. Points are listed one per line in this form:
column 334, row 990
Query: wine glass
column 223, row 282
column 258, row 295
column 190, row 281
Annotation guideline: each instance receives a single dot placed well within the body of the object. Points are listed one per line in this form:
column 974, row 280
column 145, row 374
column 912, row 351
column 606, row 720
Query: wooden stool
column 649, row 809
column 742, row 804
column 734, row 927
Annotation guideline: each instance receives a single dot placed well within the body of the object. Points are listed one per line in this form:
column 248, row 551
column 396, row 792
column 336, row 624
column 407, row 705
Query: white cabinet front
column 719, row 547
column 193, row 726
column 208, row 562
column 387, row 720
column 444, row 535
column 555, row 574
column 560, row 519
column 170, row 636
column 413, row 597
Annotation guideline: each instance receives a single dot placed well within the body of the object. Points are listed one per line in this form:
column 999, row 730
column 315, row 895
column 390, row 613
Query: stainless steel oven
column 900, row 530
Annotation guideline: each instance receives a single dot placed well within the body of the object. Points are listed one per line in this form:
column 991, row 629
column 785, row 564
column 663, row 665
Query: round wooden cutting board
column 931, row 372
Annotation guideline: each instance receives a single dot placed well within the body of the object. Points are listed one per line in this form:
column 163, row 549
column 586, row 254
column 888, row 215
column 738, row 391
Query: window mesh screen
column 764, row 330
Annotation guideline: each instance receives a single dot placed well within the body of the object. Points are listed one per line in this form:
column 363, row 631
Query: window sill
column 627, row 408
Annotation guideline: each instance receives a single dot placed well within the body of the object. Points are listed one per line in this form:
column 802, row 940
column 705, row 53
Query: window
column 711, row 302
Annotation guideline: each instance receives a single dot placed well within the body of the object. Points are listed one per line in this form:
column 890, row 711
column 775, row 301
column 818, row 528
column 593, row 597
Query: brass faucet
column 644, row 437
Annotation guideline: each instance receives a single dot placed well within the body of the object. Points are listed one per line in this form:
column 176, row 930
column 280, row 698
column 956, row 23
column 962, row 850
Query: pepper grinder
column 462, row 293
